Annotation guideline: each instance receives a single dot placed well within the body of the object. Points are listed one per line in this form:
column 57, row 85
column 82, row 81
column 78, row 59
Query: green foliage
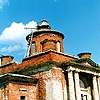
column 37, row 68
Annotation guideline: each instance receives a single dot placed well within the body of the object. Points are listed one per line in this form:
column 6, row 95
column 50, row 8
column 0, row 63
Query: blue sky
column 78, row 20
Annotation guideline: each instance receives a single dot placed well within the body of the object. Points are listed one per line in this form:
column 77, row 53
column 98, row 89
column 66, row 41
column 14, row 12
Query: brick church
column 47, row 73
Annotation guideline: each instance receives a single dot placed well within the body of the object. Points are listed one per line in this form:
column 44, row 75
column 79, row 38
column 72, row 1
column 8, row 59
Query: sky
column 78, row 20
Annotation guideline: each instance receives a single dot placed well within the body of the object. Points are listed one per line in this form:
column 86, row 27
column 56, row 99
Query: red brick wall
column 36, row 60
column 14, row 91
column 49, row 82
column 84, row 55
column 5, row 60
column 38, row 39
column 49, row 46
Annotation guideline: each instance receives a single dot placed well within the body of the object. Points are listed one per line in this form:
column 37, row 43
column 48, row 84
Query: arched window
column 58, row 46
column 82, row 85
column 33, row 47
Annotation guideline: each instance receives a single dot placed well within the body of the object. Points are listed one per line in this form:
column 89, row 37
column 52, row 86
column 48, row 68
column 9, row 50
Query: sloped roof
column 10, row 77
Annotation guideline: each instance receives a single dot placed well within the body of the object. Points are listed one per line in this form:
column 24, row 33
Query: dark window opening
column 83, row 97
column 22, row 97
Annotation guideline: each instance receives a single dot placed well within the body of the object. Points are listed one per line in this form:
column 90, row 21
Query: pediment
column 87, row 62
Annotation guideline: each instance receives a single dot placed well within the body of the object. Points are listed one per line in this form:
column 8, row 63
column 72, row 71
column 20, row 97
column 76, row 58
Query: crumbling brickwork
column 14, row 91
column 41, row 37
column 47, row 73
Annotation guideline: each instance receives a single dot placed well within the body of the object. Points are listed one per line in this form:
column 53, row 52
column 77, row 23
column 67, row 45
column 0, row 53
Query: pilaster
column 99, row 85
column 77, row 86
column 95, row 88
column 71, row 85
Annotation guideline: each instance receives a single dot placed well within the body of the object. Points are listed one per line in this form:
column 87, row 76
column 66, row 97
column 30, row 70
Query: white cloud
column 15, row 34
column 3, row 3
column 10, row 48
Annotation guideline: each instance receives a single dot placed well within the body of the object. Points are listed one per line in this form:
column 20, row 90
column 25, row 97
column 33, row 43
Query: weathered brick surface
column 6, row 59
column 8, row 68
column 2, row 93
column 38, row 39
column 52, row 84
column 49, row 46
column 36, row 60
column 55, row 79
column 84, row 55
column 13, row 91
column 61, row 57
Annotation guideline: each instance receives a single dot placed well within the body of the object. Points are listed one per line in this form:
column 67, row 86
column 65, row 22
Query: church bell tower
column 44, row 39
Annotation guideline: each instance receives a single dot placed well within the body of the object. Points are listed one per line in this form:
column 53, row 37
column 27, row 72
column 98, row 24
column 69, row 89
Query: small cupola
column 5, row 59
column 84, row 55
column 44, row 39
column 43, row 25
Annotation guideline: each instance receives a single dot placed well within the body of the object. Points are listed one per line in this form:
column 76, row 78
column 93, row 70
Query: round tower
column 44, row 39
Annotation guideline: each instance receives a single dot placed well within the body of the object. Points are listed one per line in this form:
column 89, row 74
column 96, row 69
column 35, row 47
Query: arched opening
column 58, row 46
column 48, row 45
column 85, row 86
column 82, row 85
column 83, row 90
column 33, row 48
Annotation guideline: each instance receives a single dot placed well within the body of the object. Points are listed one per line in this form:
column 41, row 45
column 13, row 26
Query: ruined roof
column 80, row 63
column 91, row 62
column 10, row 77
